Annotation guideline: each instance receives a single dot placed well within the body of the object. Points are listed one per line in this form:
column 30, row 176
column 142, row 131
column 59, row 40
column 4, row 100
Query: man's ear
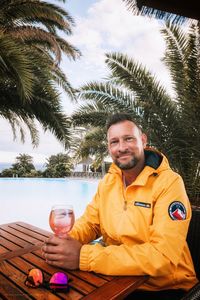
column 144, row 139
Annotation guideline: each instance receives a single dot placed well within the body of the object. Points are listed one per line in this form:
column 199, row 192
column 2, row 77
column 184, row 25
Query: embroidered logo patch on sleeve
column 177, row 211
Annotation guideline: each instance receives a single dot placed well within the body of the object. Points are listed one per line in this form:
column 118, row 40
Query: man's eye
column 113, row 142
column 129, row 139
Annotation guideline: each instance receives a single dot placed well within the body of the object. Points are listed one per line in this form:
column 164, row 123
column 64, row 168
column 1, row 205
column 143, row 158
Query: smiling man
column 142, row 213
column 126, row 145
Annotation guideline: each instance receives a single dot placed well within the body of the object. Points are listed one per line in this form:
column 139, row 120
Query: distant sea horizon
column 4, row 165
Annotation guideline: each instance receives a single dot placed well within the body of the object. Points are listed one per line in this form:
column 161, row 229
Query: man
column 142, row 212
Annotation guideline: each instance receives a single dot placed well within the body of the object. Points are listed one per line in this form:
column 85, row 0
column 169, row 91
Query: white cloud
column 108, row 27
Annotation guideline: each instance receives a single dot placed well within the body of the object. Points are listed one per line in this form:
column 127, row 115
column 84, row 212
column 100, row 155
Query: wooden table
column 20, row 245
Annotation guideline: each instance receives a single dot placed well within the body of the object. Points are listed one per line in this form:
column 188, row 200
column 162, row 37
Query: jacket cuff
column 84, row 258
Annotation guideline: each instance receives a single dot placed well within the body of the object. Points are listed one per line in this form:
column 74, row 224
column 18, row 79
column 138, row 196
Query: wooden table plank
column 28, row 237
column 17, row 277
column 30, row 232
column 13, row 238
column 34, row 228
column 118, row 288
column 3, row 250
column 10, row 291
column 9, row 245
column 18, row 252
column 21, row 235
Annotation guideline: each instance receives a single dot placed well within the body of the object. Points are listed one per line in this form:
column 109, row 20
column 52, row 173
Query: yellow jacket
column 144, row 227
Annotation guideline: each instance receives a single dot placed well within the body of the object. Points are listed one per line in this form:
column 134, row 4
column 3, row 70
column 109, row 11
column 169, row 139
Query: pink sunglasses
column 58, row 281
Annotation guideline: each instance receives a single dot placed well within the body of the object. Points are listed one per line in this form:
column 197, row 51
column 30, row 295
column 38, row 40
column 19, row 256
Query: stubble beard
column 127, row 166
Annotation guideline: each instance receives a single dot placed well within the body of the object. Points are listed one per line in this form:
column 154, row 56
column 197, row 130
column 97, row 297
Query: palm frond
column 108, row 95
column 93, row 144
column 30, row 76
column 37, row 36
column 137, row 7
column 16, row 66
column 175, row 58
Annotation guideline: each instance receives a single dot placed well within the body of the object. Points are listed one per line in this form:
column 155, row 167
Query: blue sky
column 78, row 7
column 101, row 26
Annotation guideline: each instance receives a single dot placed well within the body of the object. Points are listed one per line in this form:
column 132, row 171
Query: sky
column 102, row 26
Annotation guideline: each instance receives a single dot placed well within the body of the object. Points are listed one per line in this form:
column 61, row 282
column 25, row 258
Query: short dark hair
column 120, row 117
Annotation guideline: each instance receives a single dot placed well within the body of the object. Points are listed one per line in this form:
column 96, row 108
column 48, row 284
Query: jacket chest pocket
column 135, row 223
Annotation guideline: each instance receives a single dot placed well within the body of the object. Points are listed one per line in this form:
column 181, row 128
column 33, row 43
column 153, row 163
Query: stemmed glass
column 61, row 219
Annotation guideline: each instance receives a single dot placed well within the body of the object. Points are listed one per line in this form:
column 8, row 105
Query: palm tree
column 91, row 141
column 30, row 76
column 59, row 165
column 172, row 123
column 23, row 165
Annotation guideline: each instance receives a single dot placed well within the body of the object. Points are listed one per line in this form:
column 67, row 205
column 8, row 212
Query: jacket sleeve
column 87, row 228
column 159, row 255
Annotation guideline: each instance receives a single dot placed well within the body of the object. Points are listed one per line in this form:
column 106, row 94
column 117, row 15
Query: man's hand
column 63, row 253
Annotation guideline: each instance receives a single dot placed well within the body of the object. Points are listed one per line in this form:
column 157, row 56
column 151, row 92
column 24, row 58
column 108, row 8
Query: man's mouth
column 124, row 156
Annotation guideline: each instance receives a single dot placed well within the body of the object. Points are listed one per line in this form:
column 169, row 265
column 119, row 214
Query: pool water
column 30, row 199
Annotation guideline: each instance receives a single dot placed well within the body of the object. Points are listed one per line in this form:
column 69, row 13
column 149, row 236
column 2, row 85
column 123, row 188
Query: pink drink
column 61, row 220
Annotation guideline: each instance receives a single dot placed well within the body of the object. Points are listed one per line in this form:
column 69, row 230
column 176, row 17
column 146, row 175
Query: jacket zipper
column 123, row 192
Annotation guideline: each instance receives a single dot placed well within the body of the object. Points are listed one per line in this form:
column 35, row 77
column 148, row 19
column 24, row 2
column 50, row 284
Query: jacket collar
column 152, row 159
column 155, row 162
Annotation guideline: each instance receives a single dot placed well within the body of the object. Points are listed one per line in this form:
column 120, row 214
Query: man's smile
column 124, row 156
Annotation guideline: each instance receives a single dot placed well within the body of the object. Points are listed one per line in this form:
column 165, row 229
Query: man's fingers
column 54, row 263
column 50, row 249
column 62, row 253
column 52, row 257
column 53, row 240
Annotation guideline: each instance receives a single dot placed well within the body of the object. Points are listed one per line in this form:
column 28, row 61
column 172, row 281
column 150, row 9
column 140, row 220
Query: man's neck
column 130, row 175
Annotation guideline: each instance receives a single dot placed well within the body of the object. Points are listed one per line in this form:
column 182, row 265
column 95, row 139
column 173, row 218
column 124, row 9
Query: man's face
column 126, row 144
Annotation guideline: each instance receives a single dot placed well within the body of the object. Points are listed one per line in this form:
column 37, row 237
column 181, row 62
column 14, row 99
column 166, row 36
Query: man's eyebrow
column 128, row 135
column 123, row 136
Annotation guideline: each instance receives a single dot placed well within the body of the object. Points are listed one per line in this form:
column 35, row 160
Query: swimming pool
column 30, row 199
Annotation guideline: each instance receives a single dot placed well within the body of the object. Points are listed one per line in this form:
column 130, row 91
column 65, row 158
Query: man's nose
column 122, row 146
